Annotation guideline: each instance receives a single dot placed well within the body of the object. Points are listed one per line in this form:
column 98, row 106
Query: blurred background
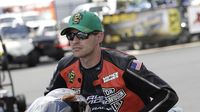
column 164, row 34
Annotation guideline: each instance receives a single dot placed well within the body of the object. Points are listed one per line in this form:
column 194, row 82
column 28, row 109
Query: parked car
column 32, row 19
column 99, row 8
column 20, row 49
column 47, row 41
column 11, row 18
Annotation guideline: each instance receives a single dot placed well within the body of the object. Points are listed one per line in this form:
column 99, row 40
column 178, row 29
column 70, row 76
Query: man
column 111, row 81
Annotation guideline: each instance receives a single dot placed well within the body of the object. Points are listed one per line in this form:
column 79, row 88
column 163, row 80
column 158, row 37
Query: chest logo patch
column 110, row 77
column 71, row 76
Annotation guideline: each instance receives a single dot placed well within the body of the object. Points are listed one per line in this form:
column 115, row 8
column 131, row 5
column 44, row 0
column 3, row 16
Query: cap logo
column 77, row 17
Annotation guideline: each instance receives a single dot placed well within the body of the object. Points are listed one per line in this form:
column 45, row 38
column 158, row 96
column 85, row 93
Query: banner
column 194, row 19
column 153, row 25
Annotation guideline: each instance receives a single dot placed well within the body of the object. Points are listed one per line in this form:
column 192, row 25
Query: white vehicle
column 47, row 41
column 20, row 49
column 100, row 8
column 32, row 19
column 11, row 18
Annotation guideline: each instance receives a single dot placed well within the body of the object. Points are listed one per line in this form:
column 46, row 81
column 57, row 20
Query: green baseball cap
column 85, row 22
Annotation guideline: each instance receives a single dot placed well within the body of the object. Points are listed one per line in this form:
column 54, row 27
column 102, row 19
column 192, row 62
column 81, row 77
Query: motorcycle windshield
column 49, row 104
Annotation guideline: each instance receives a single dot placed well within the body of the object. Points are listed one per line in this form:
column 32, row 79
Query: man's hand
column 69, row 98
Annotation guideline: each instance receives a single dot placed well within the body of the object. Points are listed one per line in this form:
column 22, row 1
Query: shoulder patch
column 135, row 65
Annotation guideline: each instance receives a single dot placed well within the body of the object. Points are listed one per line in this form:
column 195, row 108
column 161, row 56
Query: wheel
column 138, row 45
column 4, row 63
column 184, row 37
column 21, row 103
column 33, row 58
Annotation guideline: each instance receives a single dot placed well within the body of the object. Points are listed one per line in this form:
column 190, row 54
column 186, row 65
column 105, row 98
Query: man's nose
column 75, row 39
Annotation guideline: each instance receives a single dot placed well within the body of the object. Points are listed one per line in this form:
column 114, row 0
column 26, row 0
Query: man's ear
column 101, row 36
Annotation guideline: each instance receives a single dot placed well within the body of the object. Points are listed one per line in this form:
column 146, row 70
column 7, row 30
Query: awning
column 13, row 3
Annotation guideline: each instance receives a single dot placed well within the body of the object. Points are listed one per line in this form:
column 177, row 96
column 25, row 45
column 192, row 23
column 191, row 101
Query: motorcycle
column 53, row 102
column 9, row 102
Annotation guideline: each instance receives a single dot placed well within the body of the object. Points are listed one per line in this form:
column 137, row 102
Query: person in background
column 110, row 80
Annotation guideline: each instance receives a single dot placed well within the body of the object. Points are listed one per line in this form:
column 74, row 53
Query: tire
column 138, row 45
column 33, row 58
column 21, row 103
column 4, row 63
column 184, row 37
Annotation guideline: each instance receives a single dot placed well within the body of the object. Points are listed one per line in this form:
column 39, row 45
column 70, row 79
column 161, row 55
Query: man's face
column 83, row 47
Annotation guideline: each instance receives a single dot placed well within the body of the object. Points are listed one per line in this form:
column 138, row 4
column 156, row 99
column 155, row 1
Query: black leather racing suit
column 121, row 79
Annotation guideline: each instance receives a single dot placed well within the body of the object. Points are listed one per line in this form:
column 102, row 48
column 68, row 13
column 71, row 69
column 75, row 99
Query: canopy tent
column 46, row 8
column 14, row 3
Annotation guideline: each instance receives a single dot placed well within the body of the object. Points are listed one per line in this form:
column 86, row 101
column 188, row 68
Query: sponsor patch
column 110, row 77
column 71, row 76
column 111, row 102
column 136, row 65
column 118, row 96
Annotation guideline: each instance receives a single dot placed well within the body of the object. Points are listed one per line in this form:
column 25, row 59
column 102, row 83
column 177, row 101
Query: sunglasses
column 80, row 35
